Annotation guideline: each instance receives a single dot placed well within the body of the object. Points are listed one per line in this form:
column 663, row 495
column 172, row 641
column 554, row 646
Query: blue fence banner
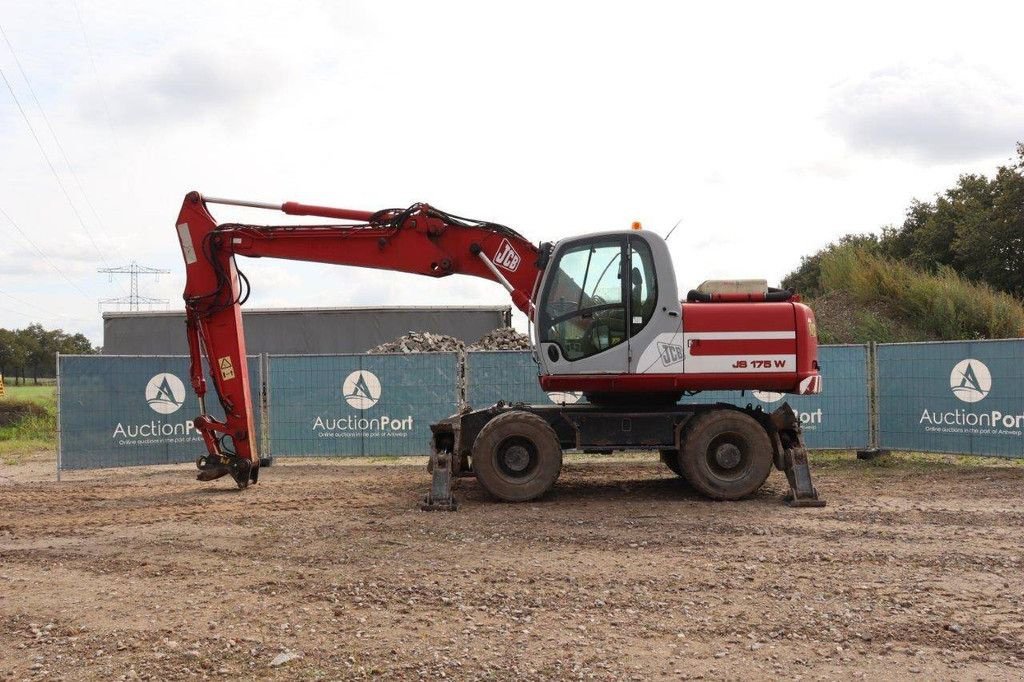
column 130, row 410
column 509, row 375
column 962, row 397
column 359, row 405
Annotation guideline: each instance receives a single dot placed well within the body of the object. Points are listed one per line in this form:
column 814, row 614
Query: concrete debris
column 504, row 338
column 283, row 658
column 421, row 342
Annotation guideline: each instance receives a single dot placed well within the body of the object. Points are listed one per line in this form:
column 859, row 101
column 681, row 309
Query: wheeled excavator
column 606, row 321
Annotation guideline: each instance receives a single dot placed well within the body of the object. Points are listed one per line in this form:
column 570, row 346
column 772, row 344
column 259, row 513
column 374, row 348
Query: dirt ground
column 622, row 573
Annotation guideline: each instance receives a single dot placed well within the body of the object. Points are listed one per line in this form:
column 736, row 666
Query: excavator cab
column 604, row 300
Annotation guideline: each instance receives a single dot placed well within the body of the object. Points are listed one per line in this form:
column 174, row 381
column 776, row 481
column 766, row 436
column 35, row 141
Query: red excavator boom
column 419, row 239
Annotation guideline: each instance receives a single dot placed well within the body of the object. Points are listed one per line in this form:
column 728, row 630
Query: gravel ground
column 330, row 571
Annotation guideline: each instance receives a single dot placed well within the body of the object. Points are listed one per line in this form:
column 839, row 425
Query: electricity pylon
column 133, row 299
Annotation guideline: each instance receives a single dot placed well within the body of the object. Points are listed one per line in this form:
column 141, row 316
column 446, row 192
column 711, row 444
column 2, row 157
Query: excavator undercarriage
column 728, row 463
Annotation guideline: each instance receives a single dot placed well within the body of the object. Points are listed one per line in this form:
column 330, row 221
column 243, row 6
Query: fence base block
column 871, row 453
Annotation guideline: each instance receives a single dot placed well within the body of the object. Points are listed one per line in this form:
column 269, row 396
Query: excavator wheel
column 517, row 456
column 670, row 458
column 727, row 455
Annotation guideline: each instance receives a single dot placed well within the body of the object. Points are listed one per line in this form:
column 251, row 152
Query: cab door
column 582, row 314
column 655, row 312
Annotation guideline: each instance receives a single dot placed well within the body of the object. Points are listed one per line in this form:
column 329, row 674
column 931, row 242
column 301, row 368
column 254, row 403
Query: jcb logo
column 670, row 353
column 507, row 257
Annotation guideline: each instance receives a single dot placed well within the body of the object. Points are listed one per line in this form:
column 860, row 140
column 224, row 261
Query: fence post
column 266, row 457
column 462, row 382
column 57, row 365
column 873, row 451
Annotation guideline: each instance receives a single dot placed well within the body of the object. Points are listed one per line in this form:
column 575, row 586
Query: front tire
column 727, row 455
column 517, row 456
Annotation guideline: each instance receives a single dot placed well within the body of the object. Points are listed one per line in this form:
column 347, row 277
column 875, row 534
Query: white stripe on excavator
column 726, row 364
column 716, row 336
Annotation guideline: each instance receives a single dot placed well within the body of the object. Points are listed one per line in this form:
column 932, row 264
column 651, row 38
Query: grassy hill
column 860, row 296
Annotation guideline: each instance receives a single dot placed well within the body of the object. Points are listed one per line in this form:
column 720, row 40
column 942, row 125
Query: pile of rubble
column 421, row 342
column 503, row 338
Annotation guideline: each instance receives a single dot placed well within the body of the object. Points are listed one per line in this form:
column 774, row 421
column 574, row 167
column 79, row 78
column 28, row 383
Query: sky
column 767, row 129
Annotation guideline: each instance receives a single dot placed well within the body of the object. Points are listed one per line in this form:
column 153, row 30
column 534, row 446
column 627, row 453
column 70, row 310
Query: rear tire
column 670, row 458
column 517, row 456
column 727, row 455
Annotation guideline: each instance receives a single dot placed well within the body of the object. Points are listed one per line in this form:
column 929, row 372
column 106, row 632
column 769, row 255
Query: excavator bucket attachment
column 240, row 469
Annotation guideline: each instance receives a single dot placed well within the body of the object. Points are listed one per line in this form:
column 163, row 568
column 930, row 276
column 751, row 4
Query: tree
column 976, row 227
column 34, row 348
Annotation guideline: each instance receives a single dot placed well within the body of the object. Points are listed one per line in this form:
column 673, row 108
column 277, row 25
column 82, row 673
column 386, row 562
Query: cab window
column 584, row 310
column 643, row 285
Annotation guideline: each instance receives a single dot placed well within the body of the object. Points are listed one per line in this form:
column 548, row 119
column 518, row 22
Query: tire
column 517, row 456
column 727, row 455
column 670, row 458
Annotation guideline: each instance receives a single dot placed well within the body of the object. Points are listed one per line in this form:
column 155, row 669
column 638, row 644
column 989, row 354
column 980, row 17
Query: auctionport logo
column 970, row 380
column 165, row 393
column 809, row 420
column 361, row 389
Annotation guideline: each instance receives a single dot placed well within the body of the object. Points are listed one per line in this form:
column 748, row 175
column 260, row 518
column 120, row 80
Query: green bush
column 13, row 411
column 25, row 426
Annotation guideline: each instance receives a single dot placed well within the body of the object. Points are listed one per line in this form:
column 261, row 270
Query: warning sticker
column 187, row 247
column 227, row 370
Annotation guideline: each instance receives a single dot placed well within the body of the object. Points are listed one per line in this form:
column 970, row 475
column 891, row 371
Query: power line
column 53, row 133
column 95, row 72
column 48, row 313
column 53, row 170
column 43, row 255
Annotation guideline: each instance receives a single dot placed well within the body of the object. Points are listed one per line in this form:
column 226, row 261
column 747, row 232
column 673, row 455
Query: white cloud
column 933, row 112
column 199, row 86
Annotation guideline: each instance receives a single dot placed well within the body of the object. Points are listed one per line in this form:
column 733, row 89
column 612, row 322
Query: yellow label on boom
column 227, row 370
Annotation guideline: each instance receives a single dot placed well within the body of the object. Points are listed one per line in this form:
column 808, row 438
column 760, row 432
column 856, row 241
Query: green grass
column 943, row 305
column 34, row 432
column 43, row 395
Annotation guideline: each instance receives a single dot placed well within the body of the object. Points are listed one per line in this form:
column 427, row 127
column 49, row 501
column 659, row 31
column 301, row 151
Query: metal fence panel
column 130, row 410
column 355, row 405
column 509, row 375
column 957, row 397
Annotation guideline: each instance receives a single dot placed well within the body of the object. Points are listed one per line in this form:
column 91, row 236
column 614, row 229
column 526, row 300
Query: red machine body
column 770, row 346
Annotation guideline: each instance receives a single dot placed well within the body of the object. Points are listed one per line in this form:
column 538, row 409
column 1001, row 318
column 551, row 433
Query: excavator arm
column 419, row 239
